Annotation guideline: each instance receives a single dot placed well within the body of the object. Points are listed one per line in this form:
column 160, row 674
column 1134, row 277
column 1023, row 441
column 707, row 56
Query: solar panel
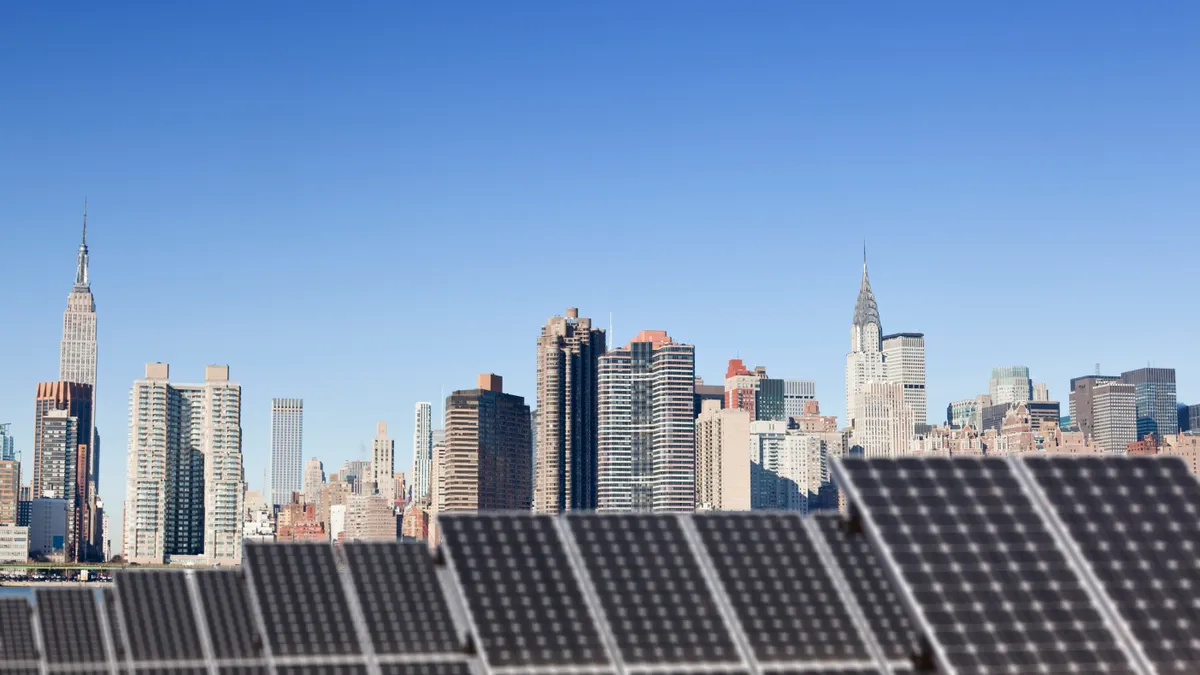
column 525, row 604
column 397, row 586
column 829, row 670
column 443, row 668
column 70, row 625
column 784, row 598
column 227, row 615
column 16, row 631
column 244, row 670
column 652, row 590
column 867, row 580
column 115, row 627
column 323, row 669
column 1136, row 521
column 980, row 567
column 302, row 602
column 160, row 622
column 170, row 671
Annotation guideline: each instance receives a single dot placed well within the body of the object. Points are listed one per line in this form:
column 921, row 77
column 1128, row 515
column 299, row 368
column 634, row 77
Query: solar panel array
column 967, row 565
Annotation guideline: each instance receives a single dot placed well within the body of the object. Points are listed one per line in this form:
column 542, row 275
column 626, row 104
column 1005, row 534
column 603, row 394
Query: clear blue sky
column 361, row 203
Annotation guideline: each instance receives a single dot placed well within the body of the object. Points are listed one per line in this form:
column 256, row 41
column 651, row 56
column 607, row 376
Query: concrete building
column 62, row 454
column 422, row 450
column 741, row 387
column 883, row 421
column 706, row 392
column 1155, row 397
column 485, row 466
column 803, row 472
column 48, row 521
column 369, row 518
column 1041, row 392
column 1114, row 410
column 184, row 489
column 766, row 445
column 568, row 361
column 647, row 459
column 968, row 412
column 414, row 525
column 864, row 363
column 287, row 448
column 904, row 364
column 722, row 451
column 1038, row 411
column 357, row 473
column 10, row 490
column 1010, row 384
column 797, row 394
column 383, row 465
column 1193, row 412
column 1082, row 403
column 337, row 522
column 314, row 481
column 14, row 543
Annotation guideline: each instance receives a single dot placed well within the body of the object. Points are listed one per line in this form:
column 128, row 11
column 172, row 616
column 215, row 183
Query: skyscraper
column 422, row 451
column 287, row 448
column 1010, row 384
column 568, row 353
column 864, row 363
column 383, row 464
column 883, row 424
column 10, row 490
column 8, row 450
column 1082, row 403
column 904, row 364
column 722, row 448
column 314, row 480
column 1114, row 410
column 1154, row 391
column 61, row 453
column 486, row 463
column 77, row 363
column 184, row 488
column 647, row 430
column 797, row 394
column 741, row 388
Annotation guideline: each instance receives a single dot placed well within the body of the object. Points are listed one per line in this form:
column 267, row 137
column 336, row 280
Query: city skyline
column 1044, row 169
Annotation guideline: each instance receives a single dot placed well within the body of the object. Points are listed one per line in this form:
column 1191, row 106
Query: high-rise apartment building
column 741, row 388
column 883, row 421
column 722, row 448
column 1114, row 410
column 864, row 363
column 287, row 448
column 314, row 480
column 383, row 464
column 8, row 449
column 766, row 446
column 422, row 451
column 568, row 361
column 797, row 394
column 10, row 490
column 1010, row 384
column 706, row 392
column 1082, row 403
column 647, row 430
column 904, row 364
column 184, row 487
column 1154, row 391
column 62, row 437
column 485, row 465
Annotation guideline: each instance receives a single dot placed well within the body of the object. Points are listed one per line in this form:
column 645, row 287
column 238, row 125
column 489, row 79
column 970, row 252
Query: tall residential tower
column 422, row 451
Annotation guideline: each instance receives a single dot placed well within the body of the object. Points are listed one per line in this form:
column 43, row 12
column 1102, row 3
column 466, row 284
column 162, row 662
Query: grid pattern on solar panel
column 987, row 575
column 322, row 669
column 70, row 625
column 169, row 671
column 115, row 628
column 652, row 590
column 243, row 670
column 227, row 614
column 849, row 670
column 18, row 671
column 1137, row 522
column 425, row 669
column 305, row 610
column 16, row 631
column 395, row 582
column 868, row 581
column 784, row 597
column 525, row 602
column 159, row 617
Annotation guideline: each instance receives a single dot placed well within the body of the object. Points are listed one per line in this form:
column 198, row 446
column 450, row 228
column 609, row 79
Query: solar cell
column 784, row 598
column 115, row 627
column 68, row 620
column 303, row 604
column 244, row 670
column 397, row 586
column 1136, row 522
column 524, row 601
column 443, row 668
column 227, row 614
column 158, row 615
column 652, row 590
column 170, row 671
column 867, row 580
column 981, row 567
column 322, row 669
column 827, row 670
column 16, row 631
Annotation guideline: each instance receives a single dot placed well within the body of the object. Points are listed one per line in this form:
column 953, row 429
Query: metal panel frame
column 110, row 651
column 590, row 596
column 206, row 647
column 1079, row 564
column 256, row 613
column 365, row 644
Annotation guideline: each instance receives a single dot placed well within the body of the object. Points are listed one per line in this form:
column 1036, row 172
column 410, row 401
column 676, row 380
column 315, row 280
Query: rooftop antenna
column 1097, row 370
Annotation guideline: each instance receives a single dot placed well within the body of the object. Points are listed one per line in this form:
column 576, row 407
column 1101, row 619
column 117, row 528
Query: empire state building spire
column 81, row 271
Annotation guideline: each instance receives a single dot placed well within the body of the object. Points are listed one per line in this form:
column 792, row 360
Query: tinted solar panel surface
column 402, row 601
column 16, row 631
column 227, row 614
column 70, row 625
column 158, row 615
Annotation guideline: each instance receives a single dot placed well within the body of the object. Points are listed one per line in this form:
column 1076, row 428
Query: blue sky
column 362, row 203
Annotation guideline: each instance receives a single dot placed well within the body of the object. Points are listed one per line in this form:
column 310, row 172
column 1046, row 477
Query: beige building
column 381, row 480
column 369, row 518
column 883, row 420
column 722, row 459
column 314, row 481
column 485, row 465
column 568, row 353
column 10, row 490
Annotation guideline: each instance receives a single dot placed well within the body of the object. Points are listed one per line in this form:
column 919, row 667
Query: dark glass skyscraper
column 1154, row 392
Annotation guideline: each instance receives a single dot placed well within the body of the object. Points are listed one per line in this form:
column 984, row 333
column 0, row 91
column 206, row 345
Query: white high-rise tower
column 422, row 451
column 864, row 363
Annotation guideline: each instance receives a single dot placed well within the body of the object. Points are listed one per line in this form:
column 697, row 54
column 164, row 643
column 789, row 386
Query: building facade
column 1114, row 410
column 797, row 394
column 741, row 387
column 184, row 488
column 883, row 422
column 486, row 463
column 314, row 481
column 1010, row 384
column 1082, row 402
column 647, row 459
column 287, row 448
column 864, row 363
column 10, row 490
column 968, row 412
column 904, row 364
column 722, row 454
column 706, row 392
column 383, row 465
column 8, row 448
column 568, row 362
column 63, row 433
column 1154, row 393
column 422, row 451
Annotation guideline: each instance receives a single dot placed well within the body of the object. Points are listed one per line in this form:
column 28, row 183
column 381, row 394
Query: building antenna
column 1097, row 370
column 610, row 333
